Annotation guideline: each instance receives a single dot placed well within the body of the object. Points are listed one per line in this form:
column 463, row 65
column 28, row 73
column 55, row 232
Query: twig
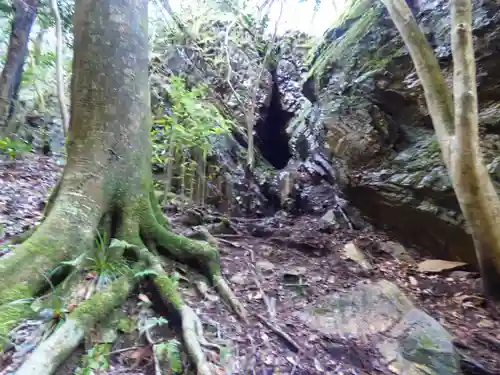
column 118, row 351
column 280, row 333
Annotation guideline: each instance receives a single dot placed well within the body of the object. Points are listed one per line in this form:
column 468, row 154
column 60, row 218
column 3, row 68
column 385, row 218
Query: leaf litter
column 275, row 277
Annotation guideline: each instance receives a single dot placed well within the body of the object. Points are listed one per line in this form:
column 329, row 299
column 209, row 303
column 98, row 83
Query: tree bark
column 457, row 130
column 107, row 181
column 10, row 80
column 59, row 66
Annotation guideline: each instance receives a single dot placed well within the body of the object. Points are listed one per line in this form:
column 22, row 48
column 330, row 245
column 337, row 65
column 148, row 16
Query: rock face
column 279, row 98
column 366, row 111
column 410, row 341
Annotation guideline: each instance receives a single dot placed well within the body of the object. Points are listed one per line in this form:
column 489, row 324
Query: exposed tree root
column 191, row 251
column 19, row 239
column 192, row 330
column 52, row 352
column 72, row 235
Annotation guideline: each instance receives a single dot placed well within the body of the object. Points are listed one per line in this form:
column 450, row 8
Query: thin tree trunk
column 10, row 79
column 457, row 130
column 59, row 67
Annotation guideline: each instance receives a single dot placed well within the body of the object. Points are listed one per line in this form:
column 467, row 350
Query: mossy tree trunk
column 10, row 80
column 108, row 173
column 455, row 120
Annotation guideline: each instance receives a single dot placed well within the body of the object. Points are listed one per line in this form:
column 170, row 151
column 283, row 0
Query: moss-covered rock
column 371, row 112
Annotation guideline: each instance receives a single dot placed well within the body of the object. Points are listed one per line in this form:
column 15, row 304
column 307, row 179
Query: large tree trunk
column 10, row 80
column 107, row 178
column 457, row 130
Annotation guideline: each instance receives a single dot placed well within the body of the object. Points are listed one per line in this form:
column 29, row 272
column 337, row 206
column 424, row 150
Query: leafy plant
column 170, row 351
column 183, row 139
column 95, row 359
column 13, row 147
column 105, row 259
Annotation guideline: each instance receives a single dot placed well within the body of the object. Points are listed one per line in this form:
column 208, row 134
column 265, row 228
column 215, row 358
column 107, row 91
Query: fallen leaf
column 438, row 265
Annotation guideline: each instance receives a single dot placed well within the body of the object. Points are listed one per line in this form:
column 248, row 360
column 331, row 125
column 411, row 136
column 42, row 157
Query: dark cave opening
column 271, row 137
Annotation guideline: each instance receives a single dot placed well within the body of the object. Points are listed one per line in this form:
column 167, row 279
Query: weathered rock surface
column 368, row 113
column 278, row 97
column 410, row 341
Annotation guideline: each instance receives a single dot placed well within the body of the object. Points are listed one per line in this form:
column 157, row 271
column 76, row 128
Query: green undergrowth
column 183, row 140
column 357, row 19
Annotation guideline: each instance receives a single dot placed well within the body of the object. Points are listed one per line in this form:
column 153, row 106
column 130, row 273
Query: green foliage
column 66, row 10
column 145, row 273
column 192, row 122
column 106, row 260
column 13, row 148
column 95, row 360
column 170, row 352
column 36, row 71
column 5, row 8
column 184, row 138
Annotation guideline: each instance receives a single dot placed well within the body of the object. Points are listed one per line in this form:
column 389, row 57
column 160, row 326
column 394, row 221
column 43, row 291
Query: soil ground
column 277, row 266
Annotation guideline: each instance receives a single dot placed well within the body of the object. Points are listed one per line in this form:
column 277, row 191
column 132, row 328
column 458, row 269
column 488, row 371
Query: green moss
column 180, row 247
column 14, row 307
column 354, row 48
column 168, row 288
column 103, row 302
column 362, row 13
column 15, row 293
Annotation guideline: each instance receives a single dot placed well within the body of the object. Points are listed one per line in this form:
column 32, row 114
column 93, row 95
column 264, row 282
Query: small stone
column 413, row 281
column 294, row 274
column 464, row 275
column 486, row 323
column 355, row 254
column 238, row 279
column 397, row 250
column 265, row 266
column 192, row 218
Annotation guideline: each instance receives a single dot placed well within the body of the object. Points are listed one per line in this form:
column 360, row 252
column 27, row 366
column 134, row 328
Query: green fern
column 170, row 351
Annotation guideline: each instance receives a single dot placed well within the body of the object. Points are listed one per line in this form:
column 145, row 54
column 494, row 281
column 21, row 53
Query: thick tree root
column 69, row 237
column 50, row 354
column 192, row 251
column 192, row 329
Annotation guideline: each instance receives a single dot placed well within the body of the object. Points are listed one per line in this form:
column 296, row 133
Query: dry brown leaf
column 438, row 265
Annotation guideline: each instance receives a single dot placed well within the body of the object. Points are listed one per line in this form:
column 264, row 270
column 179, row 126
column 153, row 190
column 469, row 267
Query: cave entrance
column 271, row 137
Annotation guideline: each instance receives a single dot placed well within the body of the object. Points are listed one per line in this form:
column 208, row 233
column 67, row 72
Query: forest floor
column 279, row 267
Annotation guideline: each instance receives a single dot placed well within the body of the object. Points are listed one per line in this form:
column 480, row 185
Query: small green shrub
column 13, row 148
column 183, row 140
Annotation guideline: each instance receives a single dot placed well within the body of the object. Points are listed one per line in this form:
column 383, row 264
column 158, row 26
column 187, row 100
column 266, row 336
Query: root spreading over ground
column 67, row 232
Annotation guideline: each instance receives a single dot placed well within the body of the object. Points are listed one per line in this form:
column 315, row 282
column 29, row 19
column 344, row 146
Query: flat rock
column 265, row 266
column 354, row 253
column 238, row 278
column 410, row 341
column 439, row 265
column 397, row 251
